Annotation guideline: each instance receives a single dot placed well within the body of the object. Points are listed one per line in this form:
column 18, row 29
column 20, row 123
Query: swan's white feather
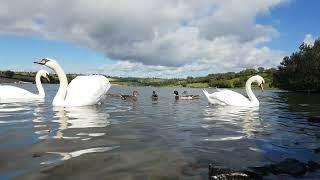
column 87, row 90
column 12, row 92
column 227, row 97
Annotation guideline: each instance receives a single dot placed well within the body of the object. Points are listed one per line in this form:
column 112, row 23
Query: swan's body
column 231, row 98
column 82, row 91
column 12, row 92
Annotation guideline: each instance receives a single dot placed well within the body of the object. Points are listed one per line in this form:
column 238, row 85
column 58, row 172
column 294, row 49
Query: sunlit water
column 153, row 139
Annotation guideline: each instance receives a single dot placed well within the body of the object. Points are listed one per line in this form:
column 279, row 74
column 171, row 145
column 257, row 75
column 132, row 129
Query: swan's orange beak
column 41, row 62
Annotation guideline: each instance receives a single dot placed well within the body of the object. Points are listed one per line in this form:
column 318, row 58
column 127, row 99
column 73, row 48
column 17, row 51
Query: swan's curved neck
column 62, row 92
column 39, row 86
column 250, row 94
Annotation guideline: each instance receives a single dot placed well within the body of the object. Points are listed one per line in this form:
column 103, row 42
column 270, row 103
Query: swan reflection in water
column 242, row 122
column 68, row 155
column 81, row 121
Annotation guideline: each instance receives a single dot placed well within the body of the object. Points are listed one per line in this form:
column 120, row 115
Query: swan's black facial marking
column 261, row 86
column 48, row 77
column 42, row 61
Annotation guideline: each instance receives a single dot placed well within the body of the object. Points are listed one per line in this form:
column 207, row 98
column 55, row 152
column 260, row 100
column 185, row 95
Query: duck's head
column 135, row 93
column 176, row 93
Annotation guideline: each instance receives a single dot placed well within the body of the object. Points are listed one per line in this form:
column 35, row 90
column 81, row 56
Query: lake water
column 164, row 139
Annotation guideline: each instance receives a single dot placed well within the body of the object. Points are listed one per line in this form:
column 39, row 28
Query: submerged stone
column 216, row 173
column 292, row 167
column 289, row 166
column 35, row 155
column 313, row 166
column 314, row 119
column 317, row 150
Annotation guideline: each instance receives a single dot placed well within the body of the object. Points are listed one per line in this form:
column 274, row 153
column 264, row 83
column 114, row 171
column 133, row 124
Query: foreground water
column 164, row 139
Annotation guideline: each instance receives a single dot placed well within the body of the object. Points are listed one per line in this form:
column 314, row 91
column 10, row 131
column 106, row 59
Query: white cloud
column 153, row 35
column 309, row 39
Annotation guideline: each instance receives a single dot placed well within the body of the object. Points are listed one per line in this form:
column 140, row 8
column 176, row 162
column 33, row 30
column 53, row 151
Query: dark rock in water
column 314, row 119
column 317, row 150
column 35, row 155
column 264, row 170
column 289, row 166
column 313, row 166
column 216, row 173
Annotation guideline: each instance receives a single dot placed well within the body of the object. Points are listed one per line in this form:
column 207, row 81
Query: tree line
column 220, row 80
column 298, row 72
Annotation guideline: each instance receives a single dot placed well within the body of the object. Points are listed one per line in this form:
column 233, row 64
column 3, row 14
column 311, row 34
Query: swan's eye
column 45, row 60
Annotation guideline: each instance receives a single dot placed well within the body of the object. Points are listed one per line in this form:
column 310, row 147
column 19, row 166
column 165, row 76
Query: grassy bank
column 221, row 80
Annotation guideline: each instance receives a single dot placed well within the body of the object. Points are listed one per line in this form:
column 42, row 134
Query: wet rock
column 36, row 155
column 313, row 166
column 317, row 150
column 264, row 170
column 216, row 173
column 296, row 143
column 289, row 166
column 314, row 119
column 190, row 169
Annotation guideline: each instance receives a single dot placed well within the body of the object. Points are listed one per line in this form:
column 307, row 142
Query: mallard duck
column 154, row 96
column 132, row 97
column 185, row 96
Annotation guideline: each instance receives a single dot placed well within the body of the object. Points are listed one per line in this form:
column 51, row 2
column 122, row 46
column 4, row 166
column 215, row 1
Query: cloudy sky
column 154, row 38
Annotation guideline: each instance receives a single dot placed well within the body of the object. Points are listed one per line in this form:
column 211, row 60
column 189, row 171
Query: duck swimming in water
column 185, row 96
column 154, row 96
column 132, row 97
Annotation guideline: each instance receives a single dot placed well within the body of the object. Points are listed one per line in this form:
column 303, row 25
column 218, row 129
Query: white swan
column 228, row 97
column 12, row 92
column 82, row 91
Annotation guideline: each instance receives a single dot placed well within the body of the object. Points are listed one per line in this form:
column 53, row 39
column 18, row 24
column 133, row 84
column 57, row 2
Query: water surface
column 164, row 139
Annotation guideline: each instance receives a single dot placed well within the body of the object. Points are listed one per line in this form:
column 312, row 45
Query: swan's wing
column 219, row 90
column 87, row 90
column 12, row 92
column 227, row 97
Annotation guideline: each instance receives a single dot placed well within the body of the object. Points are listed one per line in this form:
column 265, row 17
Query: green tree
column 260, row 69
column 301, row 70
column 9, row 74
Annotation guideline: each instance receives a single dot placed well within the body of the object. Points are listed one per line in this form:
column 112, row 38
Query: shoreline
column 126, row 84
